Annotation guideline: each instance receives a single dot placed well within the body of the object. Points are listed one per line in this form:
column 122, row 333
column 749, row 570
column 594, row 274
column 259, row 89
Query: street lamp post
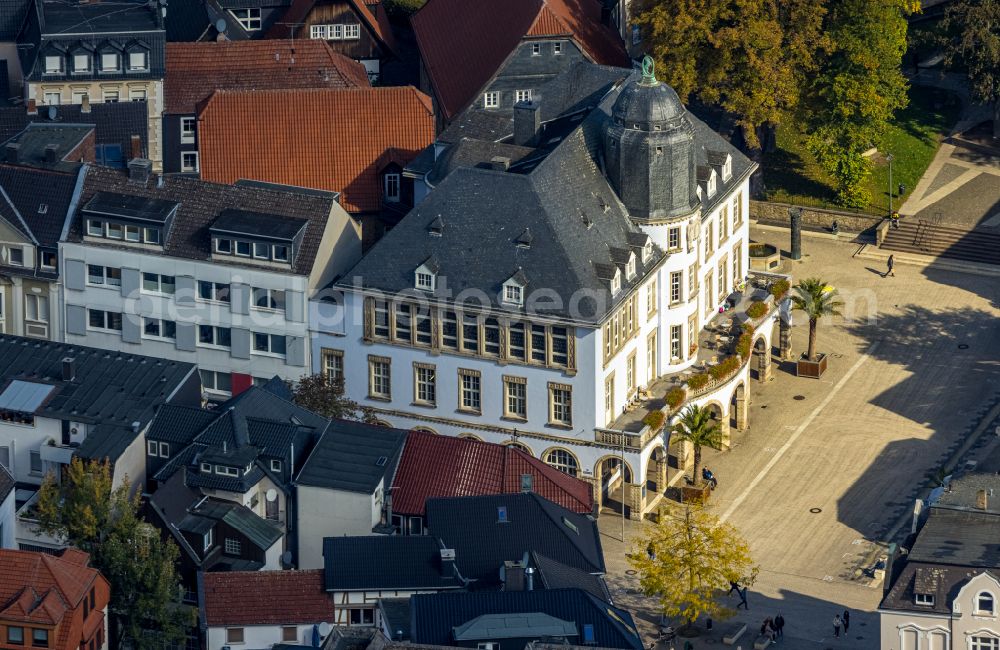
column 889, row 157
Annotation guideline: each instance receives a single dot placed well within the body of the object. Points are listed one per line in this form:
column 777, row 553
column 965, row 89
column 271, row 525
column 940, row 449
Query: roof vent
column 68, row 369
column 502, row 515
column 500, row 163
column 51, row 154
column 524, row 240
column 382, row 460
column 436, row 227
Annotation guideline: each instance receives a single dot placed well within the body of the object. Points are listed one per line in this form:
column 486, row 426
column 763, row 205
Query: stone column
column 685, row 456
column 726, row 435
column 785, row 339
column 633, row 495
column 742, row 411
column 661, row 473
column 595, row 489
column 764, row 366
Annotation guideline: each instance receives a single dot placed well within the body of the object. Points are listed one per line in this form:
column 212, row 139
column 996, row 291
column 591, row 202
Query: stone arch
column 425, row 430
column 615, row 492
column 656, row 470
column 470, row 436
column 517, row 444
column 760, row 365
column 739, row 407
column 721, row 415
column 562, row 459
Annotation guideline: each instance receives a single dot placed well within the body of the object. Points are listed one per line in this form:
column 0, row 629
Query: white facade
column 323, row 512
column 7, row 522
column 710, row 254
column 258, row 636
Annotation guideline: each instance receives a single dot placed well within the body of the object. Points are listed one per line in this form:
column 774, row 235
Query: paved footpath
column 828, row 465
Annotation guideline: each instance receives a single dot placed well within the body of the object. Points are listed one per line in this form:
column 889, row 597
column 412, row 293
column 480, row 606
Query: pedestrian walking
column 837, row 622
column 889, row 264
column 743, row 599
column 779, row 625
column 847, row 621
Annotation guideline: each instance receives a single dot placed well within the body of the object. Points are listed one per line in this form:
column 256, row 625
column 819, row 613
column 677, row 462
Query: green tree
column 859, row 87
column 811, row 297
column 86, row 511
column 697, row 426
column 688, row 559
column 317, row 394
column 677, row 34
column 973, row 38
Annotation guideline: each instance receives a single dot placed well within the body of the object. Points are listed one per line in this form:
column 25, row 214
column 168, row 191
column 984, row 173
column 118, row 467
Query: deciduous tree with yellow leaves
column 688, row 560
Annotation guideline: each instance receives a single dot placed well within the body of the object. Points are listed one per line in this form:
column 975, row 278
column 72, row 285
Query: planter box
column 811, row 369
column 695, row 493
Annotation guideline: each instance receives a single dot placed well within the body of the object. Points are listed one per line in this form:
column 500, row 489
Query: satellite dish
column 286, row 559
column 324, row 628
column 52, row 113
column 271, row 494
column 220, row 25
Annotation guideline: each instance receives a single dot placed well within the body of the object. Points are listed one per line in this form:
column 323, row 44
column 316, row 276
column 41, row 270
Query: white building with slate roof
column 549, row 300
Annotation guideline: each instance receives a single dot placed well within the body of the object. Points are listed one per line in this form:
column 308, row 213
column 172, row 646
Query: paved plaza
column 828, row 466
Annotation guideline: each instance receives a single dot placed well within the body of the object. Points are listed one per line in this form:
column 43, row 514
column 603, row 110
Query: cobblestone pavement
column 829, row 465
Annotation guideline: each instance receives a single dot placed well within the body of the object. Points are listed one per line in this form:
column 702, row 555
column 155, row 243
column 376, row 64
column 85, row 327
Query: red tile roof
column 443, row 466
column 266, row 598
column 196, row 70
column 322, row 139
column 378, row 22
column 460, row 62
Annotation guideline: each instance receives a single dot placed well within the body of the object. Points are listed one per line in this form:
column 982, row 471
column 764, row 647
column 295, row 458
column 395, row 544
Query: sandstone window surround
column 620, row 328
column 379, row 377
column 515, row 394
column 496, row 338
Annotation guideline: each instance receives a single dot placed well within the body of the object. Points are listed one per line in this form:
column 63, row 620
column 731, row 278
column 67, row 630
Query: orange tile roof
column 196, row 70
column 322, row 139
column 266, row 598
column 460, row 62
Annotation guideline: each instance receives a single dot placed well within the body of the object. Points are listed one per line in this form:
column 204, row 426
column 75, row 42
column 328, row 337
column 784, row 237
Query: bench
column 762, row 642
column 732, row 633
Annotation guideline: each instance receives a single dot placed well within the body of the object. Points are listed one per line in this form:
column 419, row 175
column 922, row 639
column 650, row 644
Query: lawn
column 792, row 175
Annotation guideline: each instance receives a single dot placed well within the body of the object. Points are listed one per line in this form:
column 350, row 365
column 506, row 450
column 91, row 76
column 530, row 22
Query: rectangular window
column 557, row 48
column 213, row 291
column 333, row 365
column 159, row 283
column 424, row 384
column 261, row 250
column 104, row 275
column 559, row 339
column 984, row 643
column 335, row 32
column 676, row 341
column 188, row 125
column 138, row 61
column 289, row 634
column 95, row 228
column 708, row 293
column 269, row 299
column 425, row 281
column 522, row 96
column 515, row 397
column 651, row 291
column 709, row 230
column 52, row 97
column 157, row 328
column 212, row 336
column 279, row 253
column 379, row 378
column 737, row 212
column 630, row 378
column 692, row 333
column 39, row 638
column 421, row 325
column 516, row 343
column 381, row 319
column 318, row 32
column 53, row 64
column 722, row 280
column 232, row 546
column 609, row 399
column 536, row 49
column 362, row 616
column 513, row 294
column 675, row 287
column 151, row 235
column 723, row 225
column 234, row 635
column 35, row 459
column 560, row 404
column 392, row 187
column 104, row 320
column 16, row 256
column 137, row 94
column 151, row 448
column 220, row 382
column 36, row 308
column 15, row 635
column 249, row 18
column 737, row 264
column 189, row 161
column 651, row 369
column 269, row 343
column 164, row 450
column 491, row 99
column 81, row 63
column 923, row 599
column 470, row 395
column 674, row 239
column 243, row 248
column 132, row 233
column 352, row 32
column 470, row 333
column 111, row 95
column 491, row 337
column 692, row 281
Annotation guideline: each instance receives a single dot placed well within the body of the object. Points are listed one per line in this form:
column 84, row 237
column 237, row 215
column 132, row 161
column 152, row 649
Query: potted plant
column 675, row 397
column 813, row 297
column 757, row 309
column 697, row 427
column 654, row 420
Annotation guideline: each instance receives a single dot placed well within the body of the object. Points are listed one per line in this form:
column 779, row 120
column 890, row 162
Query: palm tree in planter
column 816, row 300
column 697, row 426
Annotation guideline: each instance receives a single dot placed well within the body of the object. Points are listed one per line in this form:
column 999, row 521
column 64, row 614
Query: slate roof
column 201, row 203
column 114, row 122
column 962, row 493
column 389, row 562
column 25, row 190
column 258, row 531
column 482, row 543
column 552, row 574
column 444, row 466
column 434, row 616
column 12, row 15
column 396, row 617
column 475, row 153
column 959, row 538
column 460, row 62
column 265, row 598
column 196, row 70
column 561, row 195
column 298, row 137
column 69, row 141
column 353, row 456
column 111, row 389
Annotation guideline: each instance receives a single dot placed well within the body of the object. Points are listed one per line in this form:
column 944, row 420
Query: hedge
column 724, row 368
column 654, row 420
column 779, row 289
column 675, row 397
column 743, row 345
column 756, row 309
column 695, row 382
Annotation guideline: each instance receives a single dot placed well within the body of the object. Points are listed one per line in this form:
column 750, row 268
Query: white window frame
column 52, row 97
column 10, row 256
column 270, row 349
column 33, row 308
column 536, row 49
column 159, row 290
column 391, row 186
column 216, row 290
column 249, row 19
column 161, row 327
column 979, row 611
column 515, row 398
column 105, row 277
column 190, row 162
column 271, row 296
column 424, row 384
column 56, row 58
column 85, row 59
column 513, row 294
column 189, row 126
column 380, row 378
column 555, row 406
column 557, row 48
column 216, row 329
column 923, row 599
column 318, row 32
column 352, row 32
column 522, row 95
column 232, row 546
column 111, row 95
column 275, row 465
column 137, row 94
column 423, row 280
column 132, row 61
column 164, row 450
column 333, row 364
column 470, row 391
column 34, row 454
column 115, row 57
column 106, row 321
column 491, row 99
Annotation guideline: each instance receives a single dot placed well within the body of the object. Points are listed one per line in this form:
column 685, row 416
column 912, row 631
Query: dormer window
column 391, row 183
column 110, row 62
column 206, row 467
column 985, row 604
column 265, row 238
column 630, row 267
column 513, row 294
column 130, row 219
column 926, row 600
column 425, row 281
column 711, row 184
column 53, row 64
column 727, row 168
column 81, row 62
column 647, row 251
column 138, row 60
column 616, row 282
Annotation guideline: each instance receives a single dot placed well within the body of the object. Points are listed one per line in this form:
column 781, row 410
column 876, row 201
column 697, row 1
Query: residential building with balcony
column 60, row 401
column 186, row 270
column 52, row 601
column 99, row 53
column 550, row 304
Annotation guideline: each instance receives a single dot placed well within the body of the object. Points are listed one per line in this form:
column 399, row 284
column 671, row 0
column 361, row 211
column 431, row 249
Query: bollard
column 796, row 219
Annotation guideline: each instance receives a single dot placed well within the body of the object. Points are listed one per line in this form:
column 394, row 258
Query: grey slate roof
column 963, row 492
column 259, row 531
column 110, row 389
column 474, row 153
column 434, row 616
column 28, row 189
column 201, row 203
column 114, row 122
column 34, row 141
column 396, row 616
column 960, row 538
column 12, row 15
column 389, row 562
column 482, row 543
column 552, row 574
column 353, row 456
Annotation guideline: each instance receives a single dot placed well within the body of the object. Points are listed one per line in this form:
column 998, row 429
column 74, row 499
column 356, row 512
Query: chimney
column 13, row 152
column 529, row 579
column 68, row 369
column 51, row 154
column 85, row 104
column 136, row 142
column 32, row 107
column 527, row 123
column 139, row 170
column 447, row 562
column 513, row 576
column 500, row 163
column 982, row 500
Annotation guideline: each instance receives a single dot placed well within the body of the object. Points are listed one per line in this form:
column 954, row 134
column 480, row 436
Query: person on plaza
column 743, row 599
column 765, row 628
column 709, row 477
column 779, row 625
column 889, row 264
column 837, row 622
column 847, row 621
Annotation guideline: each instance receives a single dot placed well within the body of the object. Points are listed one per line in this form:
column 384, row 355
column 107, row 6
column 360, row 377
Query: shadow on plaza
column 808, row 620
column 923, row 342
